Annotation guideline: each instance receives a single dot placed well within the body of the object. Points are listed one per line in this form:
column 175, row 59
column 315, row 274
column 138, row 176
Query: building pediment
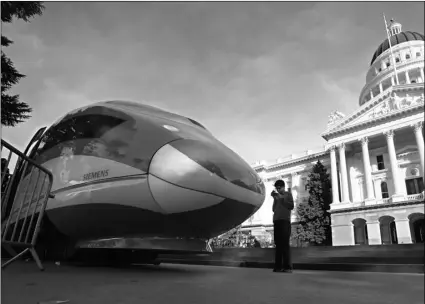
column 393, row 103
column 406, row 154
column 409, row 149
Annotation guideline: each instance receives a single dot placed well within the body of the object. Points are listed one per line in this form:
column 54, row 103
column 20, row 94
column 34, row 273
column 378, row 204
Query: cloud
column 257, row 74
column 342, row 91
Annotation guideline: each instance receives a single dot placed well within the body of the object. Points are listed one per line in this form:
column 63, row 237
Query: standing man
column 282, row 205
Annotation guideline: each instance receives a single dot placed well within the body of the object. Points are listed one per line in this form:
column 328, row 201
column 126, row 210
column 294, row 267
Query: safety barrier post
column 25, row 194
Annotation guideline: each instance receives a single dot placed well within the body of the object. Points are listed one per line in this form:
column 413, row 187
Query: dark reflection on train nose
column 220, row 160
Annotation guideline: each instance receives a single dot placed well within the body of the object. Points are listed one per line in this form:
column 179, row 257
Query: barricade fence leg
column 15, row 258
column 36, row 258
column 21, row 224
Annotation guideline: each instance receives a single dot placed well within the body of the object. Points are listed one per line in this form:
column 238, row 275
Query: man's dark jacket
column 282, row 206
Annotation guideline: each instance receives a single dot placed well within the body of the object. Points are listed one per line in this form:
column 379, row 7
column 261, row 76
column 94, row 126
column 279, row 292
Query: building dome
column 396, row 39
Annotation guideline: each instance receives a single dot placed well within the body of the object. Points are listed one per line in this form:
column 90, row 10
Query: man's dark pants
column 282, row 234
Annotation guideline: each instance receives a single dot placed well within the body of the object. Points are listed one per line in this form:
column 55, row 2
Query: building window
column 360, row 232
column 418, row 54
column 414, row 185
column 407, row 56
column 384, row 190
column 380, row 161
column 397, row 60
column 414, row 171
column 419, row 230
column 393, row 231
column 388, row 64
column 388, row 230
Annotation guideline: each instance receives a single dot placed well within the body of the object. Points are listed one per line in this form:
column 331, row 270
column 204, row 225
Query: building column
column 417, row 127
column 371, row 94
column 362, row 195
column 392, row 81
column 403, row 231
column 421, row 70
column 343, row 168
column 367, row 171
column 334, row 176
column 393, row 162
column 374, row 233
column 285, row 178
column 406, row 73
column 380, row 87
column 294, row 183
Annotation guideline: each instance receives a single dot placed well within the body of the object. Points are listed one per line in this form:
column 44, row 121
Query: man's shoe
column 287, row 270
column 277, row 270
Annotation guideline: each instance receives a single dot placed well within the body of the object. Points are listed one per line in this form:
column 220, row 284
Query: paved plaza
column 186, row 284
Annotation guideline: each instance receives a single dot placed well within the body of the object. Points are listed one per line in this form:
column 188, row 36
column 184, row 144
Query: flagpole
column 391, row 49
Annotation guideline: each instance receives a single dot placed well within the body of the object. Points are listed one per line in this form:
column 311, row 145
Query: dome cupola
column 396, row 37
column 394, row 28
column 398, row 60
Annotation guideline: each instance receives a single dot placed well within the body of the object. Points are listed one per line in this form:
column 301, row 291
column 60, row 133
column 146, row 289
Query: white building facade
column 294, row 170
column 375, row 155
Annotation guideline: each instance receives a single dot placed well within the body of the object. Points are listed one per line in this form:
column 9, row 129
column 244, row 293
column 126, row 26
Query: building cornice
column 363, row 109
column 376, row 207
column 266, row 226
column 259, row 168
column 340, row 129
column 376, row 121
column 257, row 226
column 405, row 154
column 290, row 163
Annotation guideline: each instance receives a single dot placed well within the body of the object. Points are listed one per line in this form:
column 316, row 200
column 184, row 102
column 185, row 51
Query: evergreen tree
column 14, row 111
column 314, row 218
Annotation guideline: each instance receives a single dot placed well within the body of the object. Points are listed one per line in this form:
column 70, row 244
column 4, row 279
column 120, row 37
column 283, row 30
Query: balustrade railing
column 410, row 197
column 415, row 197
column 386, row 200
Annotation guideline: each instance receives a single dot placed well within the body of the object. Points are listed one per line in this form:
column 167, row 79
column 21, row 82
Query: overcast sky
column 262, row 77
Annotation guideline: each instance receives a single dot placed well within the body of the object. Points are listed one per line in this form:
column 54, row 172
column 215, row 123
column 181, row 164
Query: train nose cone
column 205, row 182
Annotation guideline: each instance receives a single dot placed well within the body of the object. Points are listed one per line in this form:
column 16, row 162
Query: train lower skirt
column 106, row 221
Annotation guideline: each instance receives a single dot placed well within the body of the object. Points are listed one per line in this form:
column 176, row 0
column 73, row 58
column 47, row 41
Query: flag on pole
column 391, row 49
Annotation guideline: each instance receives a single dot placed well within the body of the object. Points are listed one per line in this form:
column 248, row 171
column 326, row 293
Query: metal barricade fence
column 23, row 201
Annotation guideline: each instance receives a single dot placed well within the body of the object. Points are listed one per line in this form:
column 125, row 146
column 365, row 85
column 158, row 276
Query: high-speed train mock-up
column 127, row 171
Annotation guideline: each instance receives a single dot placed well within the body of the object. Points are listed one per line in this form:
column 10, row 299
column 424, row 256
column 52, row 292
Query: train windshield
column 71, row 131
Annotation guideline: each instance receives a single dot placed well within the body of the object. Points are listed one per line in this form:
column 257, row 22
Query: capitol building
column 375, row 156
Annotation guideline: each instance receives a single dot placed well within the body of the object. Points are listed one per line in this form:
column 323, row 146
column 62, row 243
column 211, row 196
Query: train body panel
column 72, row 170
column 127, row 170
